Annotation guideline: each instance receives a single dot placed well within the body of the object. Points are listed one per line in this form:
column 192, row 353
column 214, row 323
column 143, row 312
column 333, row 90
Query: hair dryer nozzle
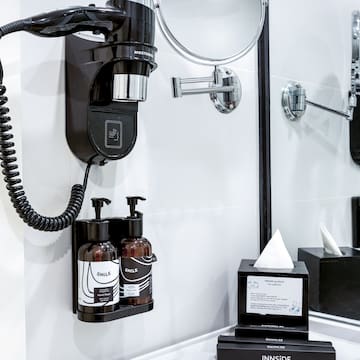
column 130, row 87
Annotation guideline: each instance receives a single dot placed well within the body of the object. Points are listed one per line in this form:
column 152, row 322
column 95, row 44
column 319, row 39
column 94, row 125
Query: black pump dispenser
column 98, row 229
column 135, row 220
column 98, row 203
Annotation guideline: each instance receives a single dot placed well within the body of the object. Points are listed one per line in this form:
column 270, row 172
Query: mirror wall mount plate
column 210, row 39
column 224, row 87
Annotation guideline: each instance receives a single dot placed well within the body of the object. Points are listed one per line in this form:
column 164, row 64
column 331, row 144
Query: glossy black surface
column 120, row 312
column 68, row 21
column 289, row 326
column 233, row 349
column 264, row 135
column 355, row 215
column 355, row 134
column 91, row 113
column 334, row 281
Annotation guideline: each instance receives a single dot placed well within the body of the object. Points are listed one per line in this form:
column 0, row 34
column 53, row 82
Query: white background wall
column 12, row 299
column 199, row 171
column 313, row 175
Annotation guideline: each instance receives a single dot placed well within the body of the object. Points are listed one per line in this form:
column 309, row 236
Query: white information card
column 274, row 296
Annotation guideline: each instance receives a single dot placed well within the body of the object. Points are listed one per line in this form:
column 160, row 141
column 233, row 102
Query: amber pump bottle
column 98, row 266
column 136, row 260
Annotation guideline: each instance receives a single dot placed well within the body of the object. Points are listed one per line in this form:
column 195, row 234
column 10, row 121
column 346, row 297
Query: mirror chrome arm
column 348, row 115
column 224, row 88
column 294, row 102
column 179, row 91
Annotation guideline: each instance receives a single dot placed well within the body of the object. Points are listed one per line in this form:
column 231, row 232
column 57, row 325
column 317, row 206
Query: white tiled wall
column 313, row 175
column 198, row 169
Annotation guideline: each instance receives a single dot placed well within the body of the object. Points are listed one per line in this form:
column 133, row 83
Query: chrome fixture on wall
column 210, row 44
column 294, row 100
column 224, row 88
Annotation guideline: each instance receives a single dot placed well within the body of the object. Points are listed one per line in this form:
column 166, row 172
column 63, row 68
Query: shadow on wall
column 327, row 129
column 50, row 247
column 36, row 83
column 54, row 250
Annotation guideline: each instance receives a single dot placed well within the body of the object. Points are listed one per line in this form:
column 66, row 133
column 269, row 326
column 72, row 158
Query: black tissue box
column 272, row 302
column 334, row 281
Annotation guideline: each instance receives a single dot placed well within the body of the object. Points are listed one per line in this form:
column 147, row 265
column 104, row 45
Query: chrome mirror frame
column 197, row 58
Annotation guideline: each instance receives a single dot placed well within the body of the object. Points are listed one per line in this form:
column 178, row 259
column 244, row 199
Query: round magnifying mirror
column 211, row 32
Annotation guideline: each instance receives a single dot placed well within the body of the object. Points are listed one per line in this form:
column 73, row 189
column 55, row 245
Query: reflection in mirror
column 295, row 101
column 315, row 183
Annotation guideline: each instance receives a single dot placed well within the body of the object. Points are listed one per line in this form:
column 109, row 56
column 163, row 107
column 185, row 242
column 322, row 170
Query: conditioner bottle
column 136, row 260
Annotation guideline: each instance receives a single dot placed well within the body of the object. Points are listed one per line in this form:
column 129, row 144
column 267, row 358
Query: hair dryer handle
column 68, row 21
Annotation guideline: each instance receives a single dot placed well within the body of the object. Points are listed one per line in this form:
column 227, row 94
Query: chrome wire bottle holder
column 224, row 88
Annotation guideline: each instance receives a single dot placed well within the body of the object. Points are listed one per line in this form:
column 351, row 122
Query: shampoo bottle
column 136, row 260
column 98, row 267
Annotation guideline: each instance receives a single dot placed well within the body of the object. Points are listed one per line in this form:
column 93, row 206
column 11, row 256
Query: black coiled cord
column 14, row 183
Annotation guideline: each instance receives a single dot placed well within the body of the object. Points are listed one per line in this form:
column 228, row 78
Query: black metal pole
column 264, row 135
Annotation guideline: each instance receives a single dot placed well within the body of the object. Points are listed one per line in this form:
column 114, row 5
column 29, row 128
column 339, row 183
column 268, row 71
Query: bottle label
column 98, row 283
column 136, row 277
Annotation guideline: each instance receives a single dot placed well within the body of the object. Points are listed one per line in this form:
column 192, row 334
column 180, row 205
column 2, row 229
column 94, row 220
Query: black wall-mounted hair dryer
column 105, row 79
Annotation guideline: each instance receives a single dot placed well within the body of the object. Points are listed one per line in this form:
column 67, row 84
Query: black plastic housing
column 354, row 126
column 99, row 129
column 334, row 281
column 355, row 215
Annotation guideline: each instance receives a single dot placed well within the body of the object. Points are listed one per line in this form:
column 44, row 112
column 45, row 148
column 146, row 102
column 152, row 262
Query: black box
column 232, row 348
column 334, row 281
column 272, row 331
column 272, row 302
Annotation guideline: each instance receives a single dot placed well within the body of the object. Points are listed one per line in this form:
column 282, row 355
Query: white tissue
column 329, row 242
column 275, row 255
